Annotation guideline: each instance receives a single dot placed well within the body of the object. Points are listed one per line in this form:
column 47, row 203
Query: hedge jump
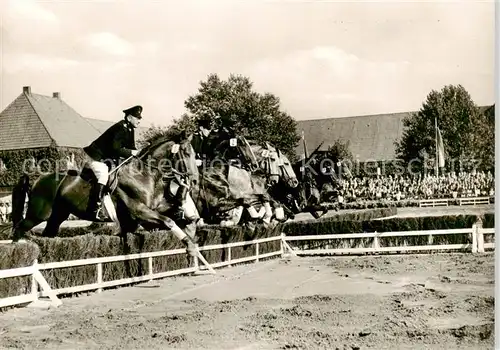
column 476, row 245
column 46, row 291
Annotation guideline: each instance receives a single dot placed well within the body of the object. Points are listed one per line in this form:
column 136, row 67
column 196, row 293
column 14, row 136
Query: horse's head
column 236, row 147
column 286, row 169
column 275, row 164
column 173, row 157
column 184, row 159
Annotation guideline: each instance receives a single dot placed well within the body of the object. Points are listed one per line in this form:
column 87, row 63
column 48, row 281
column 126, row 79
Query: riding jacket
column 116, row 142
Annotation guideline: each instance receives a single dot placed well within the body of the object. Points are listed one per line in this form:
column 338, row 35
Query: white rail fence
column 46, row 291
column 444, row 202
column 477, row 245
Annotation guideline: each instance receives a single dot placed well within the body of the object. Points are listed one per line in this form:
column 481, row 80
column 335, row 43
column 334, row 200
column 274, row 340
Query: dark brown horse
column 224, row 182
column 143, row 192
column 240, row 178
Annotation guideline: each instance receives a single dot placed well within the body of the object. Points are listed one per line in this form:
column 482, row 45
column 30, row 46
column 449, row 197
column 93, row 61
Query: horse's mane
column 160, row 140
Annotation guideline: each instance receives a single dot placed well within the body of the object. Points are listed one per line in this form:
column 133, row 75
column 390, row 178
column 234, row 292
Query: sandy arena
column 437, row 301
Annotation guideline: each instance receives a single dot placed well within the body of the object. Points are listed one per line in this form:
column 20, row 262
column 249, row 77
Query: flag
column 304, row 144
column 440, row 148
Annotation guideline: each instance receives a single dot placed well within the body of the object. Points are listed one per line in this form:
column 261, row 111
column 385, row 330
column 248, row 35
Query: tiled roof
column 34, row 120
column 66, row 127
column 372, row 137
column 20, row 126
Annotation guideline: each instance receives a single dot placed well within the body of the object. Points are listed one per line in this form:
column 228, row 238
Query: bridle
column 172, row 173
column 270, row 164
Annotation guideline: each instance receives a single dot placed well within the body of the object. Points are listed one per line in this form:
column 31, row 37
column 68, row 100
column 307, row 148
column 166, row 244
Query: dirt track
column 438, row 301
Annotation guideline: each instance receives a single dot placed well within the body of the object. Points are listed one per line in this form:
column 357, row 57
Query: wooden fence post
column 99, row 277
column 376, row 243
column 150, row 268
column 286, row 247
column 34, row 283
column 480, row 236
column 282, row 246
column 196, row 262
column 229, row 256
column 474, row 238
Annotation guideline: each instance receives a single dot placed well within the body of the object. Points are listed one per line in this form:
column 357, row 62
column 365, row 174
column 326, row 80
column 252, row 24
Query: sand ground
column 435, row 301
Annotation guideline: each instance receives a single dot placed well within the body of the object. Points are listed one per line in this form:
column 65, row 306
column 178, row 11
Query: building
column 33, row 124
column 371, row 137
column 36, row 121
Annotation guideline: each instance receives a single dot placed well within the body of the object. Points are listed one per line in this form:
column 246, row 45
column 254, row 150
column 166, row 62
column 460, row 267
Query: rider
column 202, row 138
column 116, row 142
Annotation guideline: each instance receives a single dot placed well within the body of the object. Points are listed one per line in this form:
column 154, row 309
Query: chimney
column 27, row 90
column 56, row 95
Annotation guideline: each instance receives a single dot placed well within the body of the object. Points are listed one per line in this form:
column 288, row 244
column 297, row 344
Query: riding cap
column 134, row 111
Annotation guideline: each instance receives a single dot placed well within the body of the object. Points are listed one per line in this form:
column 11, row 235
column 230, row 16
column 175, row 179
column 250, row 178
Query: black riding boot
column 179, row 199
column 96, row 199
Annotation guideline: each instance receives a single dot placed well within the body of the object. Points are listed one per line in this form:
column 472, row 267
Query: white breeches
column 101, row 171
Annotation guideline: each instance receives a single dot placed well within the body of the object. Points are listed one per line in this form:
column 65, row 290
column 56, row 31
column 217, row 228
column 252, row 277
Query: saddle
column 87, row 175
column 172, row 185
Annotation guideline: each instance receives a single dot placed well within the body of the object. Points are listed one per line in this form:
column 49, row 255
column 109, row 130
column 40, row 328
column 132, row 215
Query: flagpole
column 304, row 144
column 437, row 160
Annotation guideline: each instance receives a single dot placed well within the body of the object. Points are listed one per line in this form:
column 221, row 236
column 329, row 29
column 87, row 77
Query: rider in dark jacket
column 116, row 142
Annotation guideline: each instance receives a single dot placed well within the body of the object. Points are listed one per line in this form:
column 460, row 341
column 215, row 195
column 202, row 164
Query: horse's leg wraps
column 176, row 230
column 280, row 213
column 190, row 210
column 253, row 213
column 237, row 214
column 268, row 212
column 262, row 211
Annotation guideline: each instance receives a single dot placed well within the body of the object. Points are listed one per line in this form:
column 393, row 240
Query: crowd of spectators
column 396, row 188
column 401, row 187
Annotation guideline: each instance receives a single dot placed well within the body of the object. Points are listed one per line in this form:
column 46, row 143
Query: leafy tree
column 484, row 138
column 459, row 120
column 255, row 115
column 181, row 126
column 340, row 151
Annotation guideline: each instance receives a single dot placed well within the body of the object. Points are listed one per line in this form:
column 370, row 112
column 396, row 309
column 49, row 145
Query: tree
column 458, row 119
column 181, row 126
column 484, row 138
column 255, row 115
column 340, row 151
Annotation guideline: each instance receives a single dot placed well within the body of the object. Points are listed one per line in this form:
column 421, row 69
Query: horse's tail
column 19, row 193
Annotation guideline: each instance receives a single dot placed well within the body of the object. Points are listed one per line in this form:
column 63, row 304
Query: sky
column 322, row 59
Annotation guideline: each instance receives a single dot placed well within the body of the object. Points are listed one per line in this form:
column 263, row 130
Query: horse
column 227, row 181
column 275, row 164
column 280, row 179
column 328, row 173
column 317, row 178
column 140, row 194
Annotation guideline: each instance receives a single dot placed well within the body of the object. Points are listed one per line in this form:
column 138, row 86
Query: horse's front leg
column 313, row 209
column 149, row 218
column 233, row 217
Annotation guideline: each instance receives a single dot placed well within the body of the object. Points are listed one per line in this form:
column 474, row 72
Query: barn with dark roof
column 371, row 137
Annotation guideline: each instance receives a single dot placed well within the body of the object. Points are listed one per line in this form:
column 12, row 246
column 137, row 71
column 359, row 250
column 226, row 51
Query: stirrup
column 99, row 213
